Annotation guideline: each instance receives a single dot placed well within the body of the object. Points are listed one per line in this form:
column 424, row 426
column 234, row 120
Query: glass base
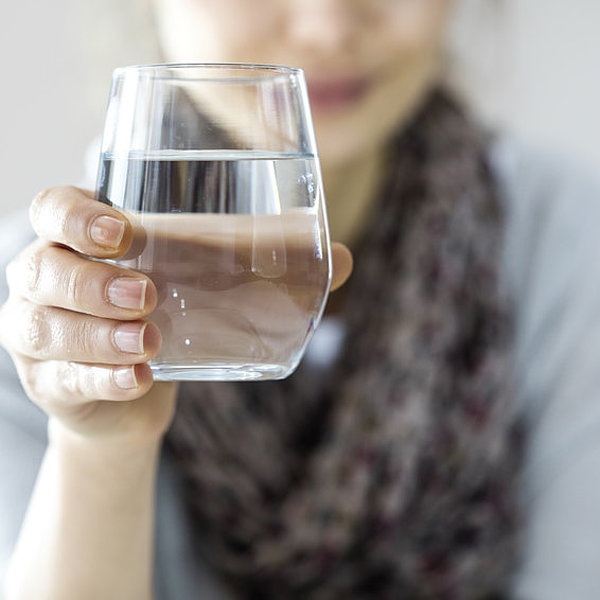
column 219, row 372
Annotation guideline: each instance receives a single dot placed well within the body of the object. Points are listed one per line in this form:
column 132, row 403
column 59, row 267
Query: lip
column 335, row 92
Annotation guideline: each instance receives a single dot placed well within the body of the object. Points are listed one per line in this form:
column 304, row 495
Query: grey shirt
column 551, row 264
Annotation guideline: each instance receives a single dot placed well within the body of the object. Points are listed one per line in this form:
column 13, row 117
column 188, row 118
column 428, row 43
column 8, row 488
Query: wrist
column 119, row 429
column 65, row 441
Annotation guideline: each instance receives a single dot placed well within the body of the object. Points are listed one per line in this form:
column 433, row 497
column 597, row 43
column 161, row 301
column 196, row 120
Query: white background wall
column 554, row 95
column 44, row 122
column 551, row 88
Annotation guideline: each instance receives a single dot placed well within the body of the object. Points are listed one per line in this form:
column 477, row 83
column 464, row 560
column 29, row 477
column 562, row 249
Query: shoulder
column 552, row 207
column 550, row 263
column 525, row 169
column 551, row 258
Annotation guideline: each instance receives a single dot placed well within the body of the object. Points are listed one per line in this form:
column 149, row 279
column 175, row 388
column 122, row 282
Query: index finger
column 70, row 216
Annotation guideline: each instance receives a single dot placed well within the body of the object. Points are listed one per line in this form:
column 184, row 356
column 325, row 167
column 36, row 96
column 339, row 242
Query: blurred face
column 368, row 63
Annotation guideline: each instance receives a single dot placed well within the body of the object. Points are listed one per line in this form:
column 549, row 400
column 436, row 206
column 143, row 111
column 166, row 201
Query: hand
column 341, row 257
column 75, row 327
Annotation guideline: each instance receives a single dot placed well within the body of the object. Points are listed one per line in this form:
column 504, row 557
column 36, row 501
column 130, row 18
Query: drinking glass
column 216, row 167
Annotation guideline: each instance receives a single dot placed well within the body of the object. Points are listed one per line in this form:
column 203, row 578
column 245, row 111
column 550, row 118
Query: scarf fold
column 394, row 475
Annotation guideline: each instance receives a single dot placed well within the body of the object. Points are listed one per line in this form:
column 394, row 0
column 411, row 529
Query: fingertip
column 151, row 297
column 110, row 232
column 144, row 377
column 37, row 206
column 152, row 339
column 135, row 380
column 72, row 217
column 342, row 264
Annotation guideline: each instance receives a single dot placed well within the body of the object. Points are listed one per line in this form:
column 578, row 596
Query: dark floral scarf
column 393, row 474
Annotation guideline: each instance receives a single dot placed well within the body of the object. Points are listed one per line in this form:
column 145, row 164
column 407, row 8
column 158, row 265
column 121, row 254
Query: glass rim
column 264, row 71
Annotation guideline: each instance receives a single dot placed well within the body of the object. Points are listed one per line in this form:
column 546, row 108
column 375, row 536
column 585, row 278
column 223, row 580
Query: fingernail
column 125, row 378
column 107, row 231
column 130, row 338
column 127, row 292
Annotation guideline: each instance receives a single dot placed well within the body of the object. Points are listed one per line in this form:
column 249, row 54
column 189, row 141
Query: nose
column 322, row 26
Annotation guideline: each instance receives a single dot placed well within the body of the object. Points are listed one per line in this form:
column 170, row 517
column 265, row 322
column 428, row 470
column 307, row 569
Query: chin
column 348, row 136
column 337, row 155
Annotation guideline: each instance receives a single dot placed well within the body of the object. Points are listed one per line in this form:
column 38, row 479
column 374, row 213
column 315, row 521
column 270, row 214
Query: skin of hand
column 77, row 328
column 78, row 333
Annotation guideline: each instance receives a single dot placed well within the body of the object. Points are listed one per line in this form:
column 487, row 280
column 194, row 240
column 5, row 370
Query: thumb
column 341, row 258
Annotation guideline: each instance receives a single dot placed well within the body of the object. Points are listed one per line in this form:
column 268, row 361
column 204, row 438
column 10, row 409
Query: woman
column 388, row 465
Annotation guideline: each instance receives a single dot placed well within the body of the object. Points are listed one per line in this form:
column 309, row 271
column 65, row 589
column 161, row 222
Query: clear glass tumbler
column 216, row 167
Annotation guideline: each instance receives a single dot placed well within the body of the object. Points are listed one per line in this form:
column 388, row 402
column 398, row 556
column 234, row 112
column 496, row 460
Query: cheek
column 417, row 26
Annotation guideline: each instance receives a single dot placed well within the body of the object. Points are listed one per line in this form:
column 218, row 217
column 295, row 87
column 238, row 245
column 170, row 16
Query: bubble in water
column 175, row 293
column 182, row 304
column 187, row 342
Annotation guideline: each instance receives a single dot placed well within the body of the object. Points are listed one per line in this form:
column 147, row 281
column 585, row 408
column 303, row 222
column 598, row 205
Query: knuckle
column 83, row 381
column 32, row 384
column 37, row 334
column 25, row 272
column 85, row 335
column 69, row 376
column 42, row 382
column 47, row 212
column 44, row 214
column 76, row 285
column 33, row 262
column 95, row 378
column 38, row 204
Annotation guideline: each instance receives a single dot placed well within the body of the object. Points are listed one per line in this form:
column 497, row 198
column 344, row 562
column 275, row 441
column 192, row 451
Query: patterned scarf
column 393, row 474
